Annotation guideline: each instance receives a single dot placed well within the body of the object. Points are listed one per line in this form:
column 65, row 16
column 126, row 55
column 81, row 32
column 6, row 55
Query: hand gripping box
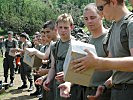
column 32, row 61
column 76, row 50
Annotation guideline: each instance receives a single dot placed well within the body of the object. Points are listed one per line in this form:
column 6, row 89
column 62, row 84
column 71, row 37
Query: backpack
column 123, row 33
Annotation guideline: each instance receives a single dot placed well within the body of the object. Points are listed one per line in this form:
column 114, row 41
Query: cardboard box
column 32, row 61
column 76, row 50
column 12, row 53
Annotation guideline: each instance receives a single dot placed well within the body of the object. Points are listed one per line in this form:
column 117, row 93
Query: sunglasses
column 101, row 7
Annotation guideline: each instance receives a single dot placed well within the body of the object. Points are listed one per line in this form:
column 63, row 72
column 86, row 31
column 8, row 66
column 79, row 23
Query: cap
column 37, row 33
column 10, row 32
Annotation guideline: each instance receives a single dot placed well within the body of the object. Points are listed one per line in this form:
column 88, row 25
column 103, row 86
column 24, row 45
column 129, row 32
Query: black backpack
column 124, row 35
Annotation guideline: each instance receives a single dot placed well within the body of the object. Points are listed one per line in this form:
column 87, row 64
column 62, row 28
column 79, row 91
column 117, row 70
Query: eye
column 47, row 31
column 60, row 27
column 85, row 18
column 93, row 17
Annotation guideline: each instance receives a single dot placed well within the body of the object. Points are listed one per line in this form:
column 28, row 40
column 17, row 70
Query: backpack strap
column 55, row 49
column 106, row 40
column 105, row 43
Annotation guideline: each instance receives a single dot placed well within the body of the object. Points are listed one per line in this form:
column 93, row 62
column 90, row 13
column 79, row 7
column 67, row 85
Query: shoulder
column 130, row 26
column 15, row 40
column 54, row 45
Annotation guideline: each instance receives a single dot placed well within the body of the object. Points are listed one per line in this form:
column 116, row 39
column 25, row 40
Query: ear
column 55, row 29
column 72, row 27
column 114, row 2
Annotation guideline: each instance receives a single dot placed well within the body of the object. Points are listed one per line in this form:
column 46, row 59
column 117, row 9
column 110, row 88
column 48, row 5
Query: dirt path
column 13, row 93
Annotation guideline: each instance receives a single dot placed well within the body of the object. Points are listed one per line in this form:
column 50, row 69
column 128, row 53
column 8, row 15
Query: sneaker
column 30, row 88
column 11, row 85
column 40, row 96
column 22, row 87
column 35, row 93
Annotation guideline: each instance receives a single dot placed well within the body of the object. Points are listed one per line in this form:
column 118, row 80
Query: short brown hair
column 65, row 18
column 49, row 24
column 91, row 6
column 120, row 2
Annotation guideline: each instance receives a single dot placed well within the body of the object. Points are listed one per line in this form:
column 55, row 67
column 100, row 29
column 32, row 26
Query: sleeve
column 130, row 34
column 29, row 44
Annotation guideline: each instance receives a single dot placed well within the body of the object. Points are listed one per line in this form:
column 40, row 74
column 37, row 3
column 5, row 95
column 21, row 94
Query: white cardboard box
column 13, row 54
column 76, row 50
column 32, row 61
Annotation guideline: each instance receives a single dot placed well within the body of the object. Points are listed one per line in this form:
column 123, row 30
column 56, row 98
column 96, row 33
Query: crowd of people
column 112, row 78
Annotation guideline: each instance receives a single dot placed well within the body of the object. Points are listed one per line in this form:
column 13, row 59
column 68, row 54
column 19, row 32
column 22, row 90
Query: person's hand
column 42, row 71
column 81, row 64
column 65, row 89
column 60, row 77
column 108, row 83
column 46, row 85
column 39, row 81
column 99, row 91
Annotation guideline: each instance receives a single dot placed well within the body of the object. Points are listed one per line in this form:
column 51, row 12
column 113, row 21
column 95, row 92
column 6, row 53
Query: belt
column 122, row 86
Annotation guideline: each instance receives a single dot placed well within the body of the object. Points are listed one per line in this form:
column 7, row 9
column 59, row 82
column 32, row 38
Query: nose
column 89, row 21
column 63, row 29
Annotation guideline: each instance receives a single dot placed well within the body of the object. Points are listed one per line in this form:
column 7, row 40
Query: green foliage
column 29, row 15
column 24, row 15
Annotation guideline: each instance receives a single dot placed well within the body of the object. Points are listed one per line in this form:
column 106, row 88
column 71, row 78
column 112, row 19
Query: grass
column 1, row 64
column 1, row 74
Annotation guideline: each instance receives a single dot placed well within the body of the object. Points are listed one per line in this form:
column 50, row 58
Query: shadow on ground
column 15, row 91
column 23, row 97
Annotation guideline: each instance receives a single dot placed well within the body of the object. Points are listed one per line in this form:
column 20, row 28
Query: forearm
column 41, row 55
column 51, row 74
column 121, row 64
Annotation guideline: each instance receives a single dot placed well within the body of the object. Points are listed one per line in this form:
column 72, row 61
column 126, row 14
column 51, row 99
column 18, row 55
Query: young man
column 93, row 21
column 38, row 46
column 122, row 81
column 49, row 35
column 9, row 61
column 59, row 51
column 45, row 66
column 25, row 70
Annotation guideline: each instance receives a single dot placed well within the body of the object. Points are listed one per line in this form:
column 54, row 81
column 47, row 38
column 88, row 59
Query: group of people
column 112, row 78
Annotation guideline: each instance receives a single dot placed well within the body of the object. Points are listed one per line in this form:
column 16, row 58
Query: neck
column 65, row 39
column 10, row 39
column 97, row 33
column 121, row 12
column 55, row 38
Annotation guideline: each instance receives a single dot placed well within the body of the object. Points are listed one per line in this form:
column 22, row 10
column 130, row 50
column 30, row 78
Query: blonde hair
column 65, row 18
